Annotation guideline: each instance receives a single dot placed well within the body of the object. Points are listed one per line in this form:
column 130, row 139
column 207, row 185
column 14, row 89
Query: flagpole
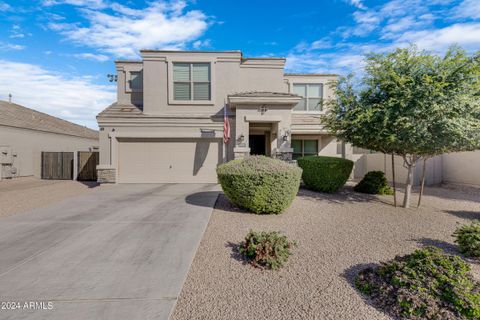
column 224, row 144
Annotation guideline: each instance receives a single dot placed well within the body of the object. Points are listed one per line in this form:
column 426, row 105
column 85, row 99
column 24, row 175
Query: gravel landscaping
column 337, row 234
column 23, row 194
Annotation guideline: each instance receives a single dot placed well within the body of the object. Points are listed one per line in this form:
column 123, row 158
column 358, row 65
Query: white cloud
column 16, row 32
column 366, row 22
column 11, row 46
column 467, row 35
column 159, row 26
column 397, row 23
column 94, row 4
column 207, row 43
column 468, row 9
column 77, row 99
column 92, row 56
column 357, row 3
column 5, row 6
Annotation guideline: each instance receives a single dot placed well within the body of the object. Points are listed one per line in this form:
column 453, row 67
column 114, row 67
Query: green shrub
column 468, row 239
column 427, row 284
column 374, row 182
column 267, row 249
column 260, row 184
column 326, row 174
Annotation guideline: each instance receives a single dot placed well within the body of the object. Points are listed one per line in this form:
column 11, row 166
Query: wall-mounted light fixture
column 241, row 138
column 286, row 134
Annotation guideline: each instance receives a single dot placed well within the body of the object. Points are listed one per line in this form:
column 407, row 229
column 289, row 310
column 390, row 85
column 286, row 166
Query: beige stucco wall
column 381, row 162
column 462, row 167
column 29, row 144
column 230, row 73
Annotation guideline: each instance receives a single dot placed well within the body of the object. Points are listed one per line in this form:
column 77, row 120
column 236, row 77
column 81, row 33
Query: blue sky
column 55, row 54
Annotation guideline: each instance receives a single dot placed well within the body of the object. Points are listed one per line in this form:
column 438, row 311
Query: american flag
column 226, row 126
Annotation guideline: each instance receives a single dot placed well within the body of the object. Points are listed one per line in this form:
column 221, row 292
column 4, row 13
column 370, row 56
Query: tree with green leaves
column 412, row 104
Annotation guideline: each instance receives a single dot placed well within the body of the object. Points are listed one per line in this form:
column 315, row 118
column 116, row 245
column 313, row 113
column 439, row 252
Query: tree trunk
column 408, row 186
column 393, row 181
column 422, row 183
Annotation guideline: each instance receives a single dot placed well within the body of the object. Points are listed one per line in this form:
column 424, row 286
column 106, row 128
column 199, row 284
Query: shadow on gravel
column 351, row 273
column 454, row 192
column 446, row 247
column 225, row 205
column 235, row 254
column 344, row 196
column 469, row 215
column 443, row 245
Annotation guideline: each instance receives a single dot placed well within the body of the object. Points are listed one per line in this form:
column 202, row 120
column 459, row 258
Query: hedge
column 260, row 184
column 374, row 182
column 326, row 174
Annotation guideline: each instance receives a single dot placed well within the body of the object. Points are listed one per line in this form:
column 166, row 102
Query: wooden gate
column 57, row 165
column 87, row 166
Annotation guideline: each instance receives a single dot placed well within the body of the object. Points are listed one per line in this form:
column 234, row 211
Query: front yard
column 27, row 193
column 337, row 234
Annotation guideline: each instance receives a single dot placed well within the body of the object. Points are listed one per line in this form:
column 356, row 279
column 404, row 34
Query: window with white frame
column 191, row 81
column 312, row 94
column 302, row 148
column 136, row 81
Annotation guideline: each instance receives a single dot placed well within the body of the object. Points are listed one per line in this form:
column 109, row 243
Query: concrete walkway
column 118, row 253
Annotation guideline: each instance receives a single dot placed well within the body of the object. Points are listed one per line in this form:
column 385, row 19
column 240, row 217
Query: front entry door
column 257, row 144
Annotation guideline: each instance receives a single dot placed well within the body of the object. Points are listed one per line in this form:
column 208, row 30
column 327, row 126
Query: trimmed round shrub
column 374, row 182
column 326, row 174
column 468, row 239
column 427, row 284
column 260, row 184
column 267, row 249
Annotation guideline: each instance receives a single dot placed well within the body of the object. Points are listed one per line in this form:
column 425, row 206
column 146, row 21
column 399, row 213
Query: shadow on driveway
column 202, row 199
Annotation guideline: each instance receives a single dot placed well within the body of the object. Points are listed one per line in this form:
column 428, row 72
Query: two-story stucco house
column 167, row 125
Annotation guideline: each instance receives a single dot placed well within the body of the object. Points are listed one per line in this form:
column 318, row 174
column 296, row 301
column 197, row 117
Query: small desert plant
column 326, row 174
column 374, row 182
column 266, row 249
column 260, row 184
column 468, row 239
column 427, row 284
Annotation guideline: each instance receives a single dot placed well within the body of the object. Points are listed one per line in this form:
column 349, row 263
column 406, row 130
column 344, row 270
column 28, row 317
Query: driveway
column 118, row 253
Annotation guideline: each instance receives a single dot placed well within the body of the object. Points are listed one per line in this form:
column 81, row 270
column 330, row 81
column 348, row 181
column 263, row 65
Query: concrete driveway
column 120, row 253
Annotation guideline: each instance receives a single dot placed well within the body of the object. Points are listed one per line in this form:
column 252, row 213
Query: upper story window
column 312, row 94
column 136, row 81
column 191, row 81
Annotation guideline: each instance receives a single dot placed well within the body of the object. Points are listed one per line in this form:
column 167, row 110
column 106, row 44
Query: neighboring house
column 167, row 123
column 26, row 133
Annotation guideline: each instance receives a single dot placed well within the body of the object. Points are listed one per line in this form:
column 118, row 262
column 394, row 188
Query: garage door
column 168, row 161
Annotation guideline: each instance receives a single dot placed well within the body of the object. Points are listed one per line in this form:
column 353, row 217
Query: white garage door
column 168, row 161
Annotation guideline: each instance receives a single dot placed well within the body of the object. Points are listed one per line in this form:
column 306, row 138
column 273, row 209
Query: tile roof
column 116, row 110
column 14, row 115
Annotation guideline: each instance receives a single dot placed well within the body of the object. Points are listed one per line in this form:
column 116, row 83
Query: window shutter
column 181, row 91
column 181, row 72
column 314, row 90
column 314, row 104
column 201, row 72
column 301, row 90
column 201, row 91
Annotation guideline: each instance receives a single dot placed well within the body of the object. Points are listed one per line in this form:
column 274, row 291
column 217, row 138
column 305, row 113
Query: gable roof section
column 116, row 110
column 14, row 115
